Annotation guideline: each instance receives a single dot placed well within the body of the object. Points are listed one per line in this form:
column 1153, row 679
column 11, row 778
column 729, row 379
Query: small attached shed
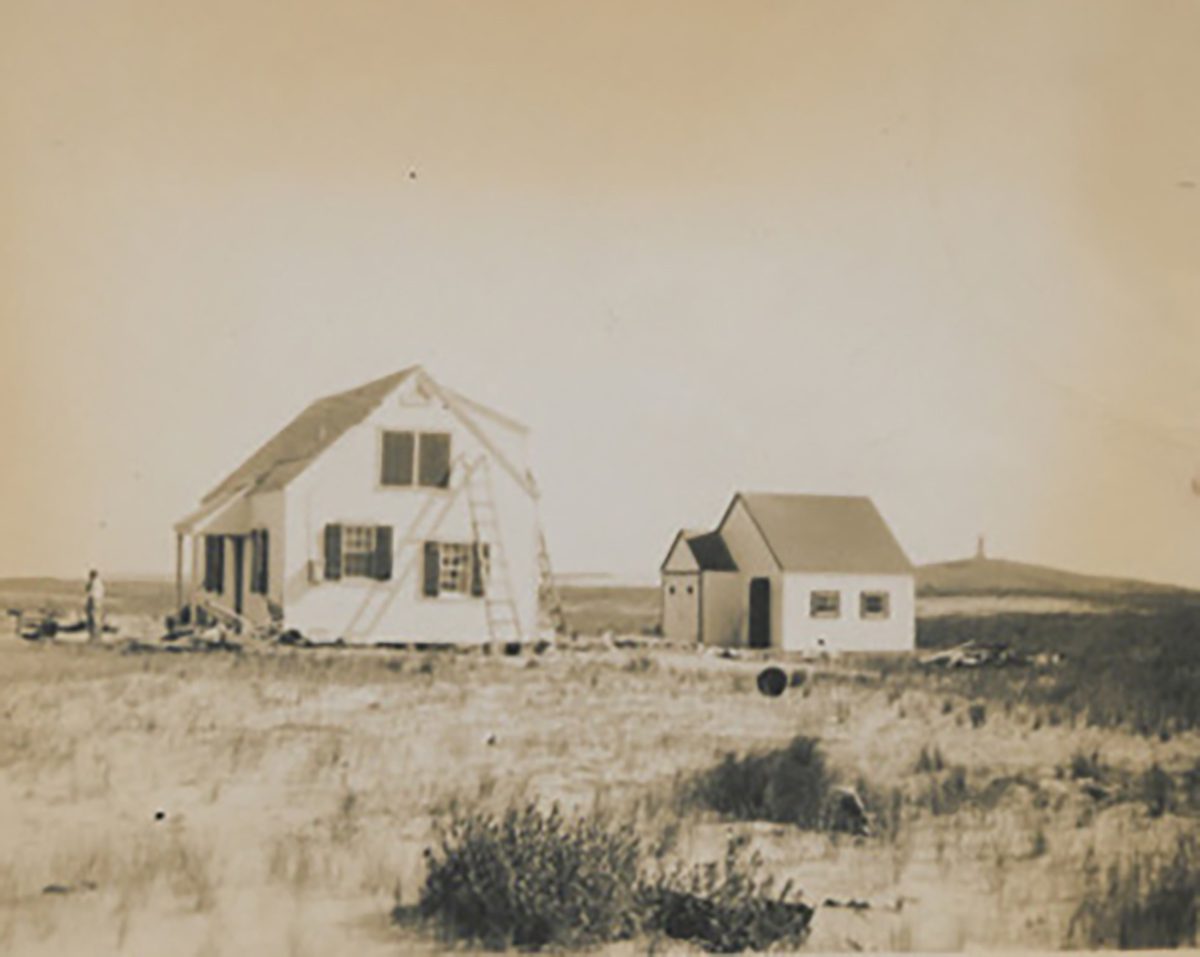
column 792, row 572
column 698, row 576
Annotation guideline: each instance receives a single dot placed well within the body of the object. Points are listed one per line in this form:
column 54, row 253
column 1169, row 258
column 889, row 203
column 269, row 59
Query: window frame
column 882, row 615
column 381, row 446
column 415, row 481
column 819, row 595
column 473, row 573
column 363, row 565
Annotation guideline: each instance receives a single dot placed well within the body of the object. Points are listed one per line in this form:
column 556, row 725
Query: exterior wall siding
column 724, row 609
column 754, row 560
column 681, row 609
column 849, row 631
column 343, row 487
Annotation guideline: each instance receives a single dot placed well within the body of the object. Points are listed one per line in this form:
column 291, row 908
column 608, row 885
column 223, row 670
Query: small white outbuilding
column 793, row 572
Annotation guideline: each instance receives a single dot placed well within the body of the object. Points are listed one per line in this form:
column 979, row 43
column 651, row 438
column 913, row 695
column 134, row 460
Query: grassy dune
column 279, row 802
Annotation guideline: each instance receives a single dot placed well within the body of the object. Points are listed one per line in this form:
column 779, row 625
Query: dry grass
column 299, row 789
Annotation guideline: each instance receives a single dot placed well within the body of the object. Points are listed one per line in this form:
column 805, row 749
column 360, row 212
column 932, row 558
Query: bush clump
column 726, row 908
column 532, row 879
column 789, row 785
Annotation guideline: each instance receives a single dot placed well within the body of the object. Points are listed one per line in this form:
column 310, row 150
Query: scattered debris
column 62, row 889
column 772, row 681
column 852, row 904
column 974, row 654
column 846, row 813
column 1096, row 791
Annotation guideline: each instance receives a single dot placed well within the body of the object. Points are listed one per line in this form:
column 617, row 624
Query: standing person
column 95, row 605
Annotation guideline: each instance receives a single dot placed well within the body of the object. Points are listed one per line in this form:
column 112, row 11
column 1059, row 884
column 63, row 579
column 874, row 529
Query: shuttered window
column 358, row 551
column 398, row 458
column 214, row 564
column 456, row 568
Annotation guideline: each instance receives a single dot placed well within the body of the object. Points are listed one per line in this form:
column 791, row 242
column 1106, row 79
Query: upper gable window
column 434, row 460
column 398, row 455
column 421, row 457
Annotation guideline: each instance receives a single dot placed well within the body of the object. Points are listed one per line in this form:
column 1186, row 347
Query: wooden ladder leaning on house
column 499, row 601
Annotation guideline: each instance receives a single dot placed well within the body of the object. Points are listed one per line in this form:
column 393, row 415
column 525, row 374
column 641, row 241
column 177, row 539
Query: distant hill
column 998, row 576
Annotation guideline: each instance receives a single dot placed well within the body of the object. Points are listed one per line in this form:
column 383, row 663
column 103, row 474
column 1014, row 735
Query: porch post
column 178, row 572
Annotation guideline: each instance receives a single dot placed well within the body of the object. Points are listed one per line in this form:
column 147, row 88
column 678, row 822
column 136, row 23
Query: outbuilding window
column 408, row 457
column 825, row 604
column 874, row 604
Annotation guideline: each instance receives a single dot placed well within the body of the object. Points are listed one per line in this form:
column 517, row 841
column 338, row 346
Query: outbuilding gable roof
column 711, row 552
column 824, row 533
column 708, row 550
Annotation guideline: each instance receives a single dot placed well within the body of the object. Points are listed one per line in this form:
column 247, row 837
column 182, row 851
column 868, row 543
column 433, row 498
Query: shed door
column 760, row 613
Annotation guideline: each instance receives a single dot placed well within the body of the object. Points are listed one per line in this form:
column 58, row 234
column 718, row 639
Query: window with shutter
column 358, row 551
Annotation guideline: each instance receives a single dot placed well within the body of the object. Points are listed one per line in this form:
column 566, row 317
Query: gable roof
column 711, row 552
column 291, row 450
column 824, row 533
column 707, row 548
column 285, row 455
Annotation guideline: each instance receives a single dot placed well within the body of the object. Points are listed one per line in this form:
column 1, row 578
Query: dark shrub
column 929, row 761
column 978, row 714
column 531, row 879
column 1087, row 766
column 788, row 785
column 1157, row 789
column 725, row 909
column 1148, row 904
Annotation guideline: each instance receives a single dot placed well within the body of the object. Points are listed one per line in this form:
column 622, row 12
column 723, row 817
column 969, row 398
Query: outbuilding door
column 760, row 613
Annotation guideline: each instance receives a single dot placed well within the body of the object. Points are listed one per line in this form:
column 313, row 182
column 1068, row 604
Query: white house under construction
column 399, row 511
column 792, row 572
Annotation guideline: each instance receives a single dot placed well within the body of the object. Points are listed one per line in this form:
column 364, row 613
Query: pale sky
column 943, row 254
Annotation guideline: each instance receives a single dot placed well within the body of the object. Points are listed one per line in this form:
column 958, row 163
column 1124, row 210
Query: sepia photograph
column 599, row 477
